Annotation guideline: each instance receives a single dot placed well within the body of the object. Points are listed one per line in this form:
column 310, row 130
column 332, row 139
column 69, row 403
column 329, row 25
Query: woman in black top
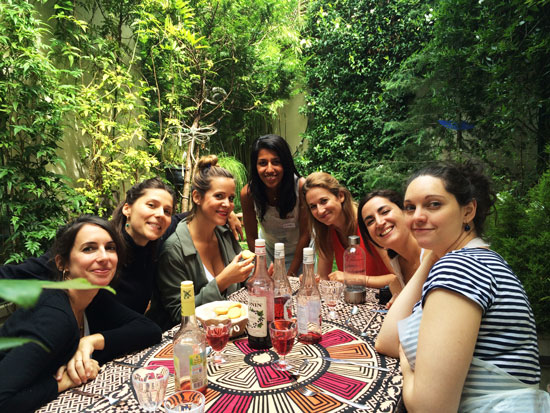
column 81, row 328
column 144, row 220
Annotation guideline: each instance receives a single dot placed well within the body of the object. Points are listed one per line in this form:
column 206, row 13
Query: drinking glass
column 282, row 334
column 150, row 385
column 189, row 401
column 331, row 292
column 217, row 335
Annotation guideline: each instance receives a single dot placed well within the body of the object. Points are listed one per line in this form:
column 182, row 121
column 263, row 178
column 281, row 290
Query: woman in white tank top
column 272, row 199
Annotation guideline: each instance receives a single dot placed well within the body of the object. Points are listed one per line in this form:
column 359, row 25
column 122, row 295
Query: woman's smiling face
column 218, row 202
column 93, row 256
column 149, row 216
column 324, row 205
column 433, row 215
column 385, row 221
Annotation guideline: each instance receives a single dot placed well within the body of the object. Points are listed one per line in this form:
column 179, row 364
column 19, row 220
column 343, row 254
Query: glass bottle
column 260, row 301
column 308, row 303
column 355, row 263
column 282, row 290
column 189, row 346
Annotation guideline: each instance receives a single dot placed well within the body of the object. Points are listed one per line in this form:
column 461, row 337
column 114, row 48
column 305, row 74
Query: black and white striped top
column 507, row 335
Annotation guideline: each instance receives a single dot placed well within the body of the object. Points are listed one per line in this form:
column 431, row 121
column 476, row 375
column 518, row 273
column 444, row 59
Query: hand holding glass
column 282, row 333
column 217, row 335
column 331, row 292
column 150, row 385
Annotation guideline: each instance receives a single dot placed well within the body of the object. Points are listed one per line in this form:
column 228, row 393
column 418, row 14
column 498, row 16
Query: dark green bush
column 521, row 234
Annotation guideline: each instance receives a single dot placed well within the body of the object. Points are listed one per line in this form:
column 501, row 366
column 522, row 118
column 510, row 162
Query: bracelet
column 367, row 283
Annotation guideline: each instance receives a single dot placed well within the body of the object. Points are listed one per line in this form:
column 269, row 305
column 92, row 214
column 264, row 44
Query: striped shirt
column 507, row 335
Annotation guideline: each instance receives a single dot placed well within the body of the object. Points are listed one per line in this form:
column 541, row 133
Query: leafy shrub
column 34, row 201
column 521, row 234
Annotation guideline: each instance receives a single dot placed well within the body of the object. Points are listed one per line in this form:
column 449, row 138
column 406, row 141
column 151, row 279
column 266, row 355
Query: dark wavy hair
column 66, row 235
column 132, row 195
column 465, row 182
column 392, row 196
column 287, row 192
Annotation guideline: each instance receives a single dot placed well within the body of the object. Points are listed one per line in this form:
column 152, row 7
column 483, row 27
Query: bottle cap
column 279, row 250
column 259, row 246
column 353, row 240
column 187, row 298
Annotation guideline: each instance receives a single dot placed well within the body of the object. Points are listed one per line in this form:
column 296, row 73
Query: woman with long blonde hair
column 333, row 219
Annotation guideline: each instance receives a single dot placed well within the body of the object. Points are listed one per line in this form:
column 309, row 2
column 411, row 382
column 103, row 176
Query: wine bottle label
column 308, row 313
column 197, row 370
column 257, row 316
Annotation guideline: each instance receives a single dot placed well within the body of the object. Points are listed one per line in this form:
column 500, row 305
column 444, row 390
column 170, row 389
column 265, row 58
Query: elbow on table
column 386, row 348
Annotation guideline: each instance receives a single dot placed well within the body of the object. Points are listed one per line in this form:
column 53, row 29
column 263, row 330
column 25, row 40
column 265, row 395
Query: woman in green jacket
column 202, row 249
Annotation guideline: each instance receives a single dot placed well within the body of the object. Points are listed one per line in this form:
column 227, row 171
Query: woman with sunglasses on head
column 467, row 336
column 81, row 329
column 333, row 219
column 202, row 248
column 272, row 199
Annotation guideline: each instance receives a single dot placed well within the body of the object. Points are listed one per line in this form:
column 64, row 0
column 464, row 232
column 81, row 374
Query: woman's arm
column 115, row 329
column 27, row 372
column 446, row 341
column 305, row 236
column 249, row 217
column 324, row 265
column 387, row 341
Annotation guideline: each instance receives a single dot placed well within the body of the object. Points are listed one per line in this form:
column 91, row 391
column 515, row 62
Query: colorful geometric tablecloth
column 246, row 382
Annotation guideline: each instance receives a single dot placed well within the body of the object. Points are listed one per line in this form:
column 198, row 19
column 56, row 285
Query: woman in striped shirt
column 467, row 338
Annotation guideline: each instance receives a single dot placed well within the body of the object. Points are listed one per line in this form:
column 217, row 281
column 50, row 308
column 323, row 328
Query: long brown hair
column 321, row 231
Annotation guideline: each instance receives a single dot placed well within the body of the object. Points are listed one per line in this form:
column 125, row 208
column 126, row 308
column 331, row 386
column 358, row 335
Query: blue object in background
column 456, row 126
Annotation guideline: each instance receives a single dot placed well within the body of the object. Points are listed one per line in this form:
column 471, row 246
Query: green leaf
column 9, row 342
column 26, row 292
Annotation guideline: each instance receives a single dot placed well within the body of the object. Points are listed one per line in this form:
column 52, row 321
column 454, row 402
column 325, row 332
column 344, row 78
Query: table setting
column 342, row 373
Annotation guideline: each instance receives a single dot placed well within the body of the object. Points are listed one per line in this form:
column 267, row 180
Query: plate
column 205, row 313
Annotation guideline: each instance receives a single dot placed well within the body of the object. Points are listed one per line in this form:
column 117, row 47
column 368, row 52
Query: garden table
column 248, row 383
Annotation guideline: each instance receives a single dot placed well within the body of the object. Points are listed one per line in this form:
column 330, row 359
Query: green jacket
column 179, row 261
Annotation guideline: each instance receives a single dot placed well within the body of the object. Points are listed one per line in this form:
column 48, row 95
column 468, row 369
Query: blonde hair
column 321, row 231
column 206, row 170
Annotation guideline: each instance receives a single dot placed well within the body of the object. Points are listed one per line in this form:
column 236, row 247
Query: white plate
column 205, row 313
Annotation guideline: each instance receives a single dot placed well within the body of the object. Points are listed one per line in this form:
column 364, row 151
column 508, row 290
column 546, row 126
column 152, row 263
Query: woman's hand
column 81, row 366
column 64, row 382
column 236, row 271
column 235, row 224
column 336, row 276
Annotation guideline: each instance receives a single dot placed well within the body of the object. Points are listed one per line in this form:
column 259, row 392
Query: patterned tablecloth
column 248, row 383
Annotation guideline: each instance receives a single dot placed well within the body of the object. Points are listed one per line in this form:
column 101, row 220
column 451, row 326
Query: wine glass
column 150, row 385
column 282, row 334
column 331, row 291
column 217, row 335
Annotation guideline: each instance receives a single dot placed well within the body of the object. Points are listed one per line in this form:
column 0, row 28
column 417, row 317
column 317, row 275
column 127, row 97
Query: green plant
column 521, row 234
column 110, row 99
column 25, row 293
column 351, row 47
column 239, row 173
column 34, row 200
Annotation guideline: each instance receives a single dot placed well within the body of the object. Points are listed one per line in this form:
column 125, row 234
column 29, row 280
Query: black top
column 27, row 372
column 135, row 281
